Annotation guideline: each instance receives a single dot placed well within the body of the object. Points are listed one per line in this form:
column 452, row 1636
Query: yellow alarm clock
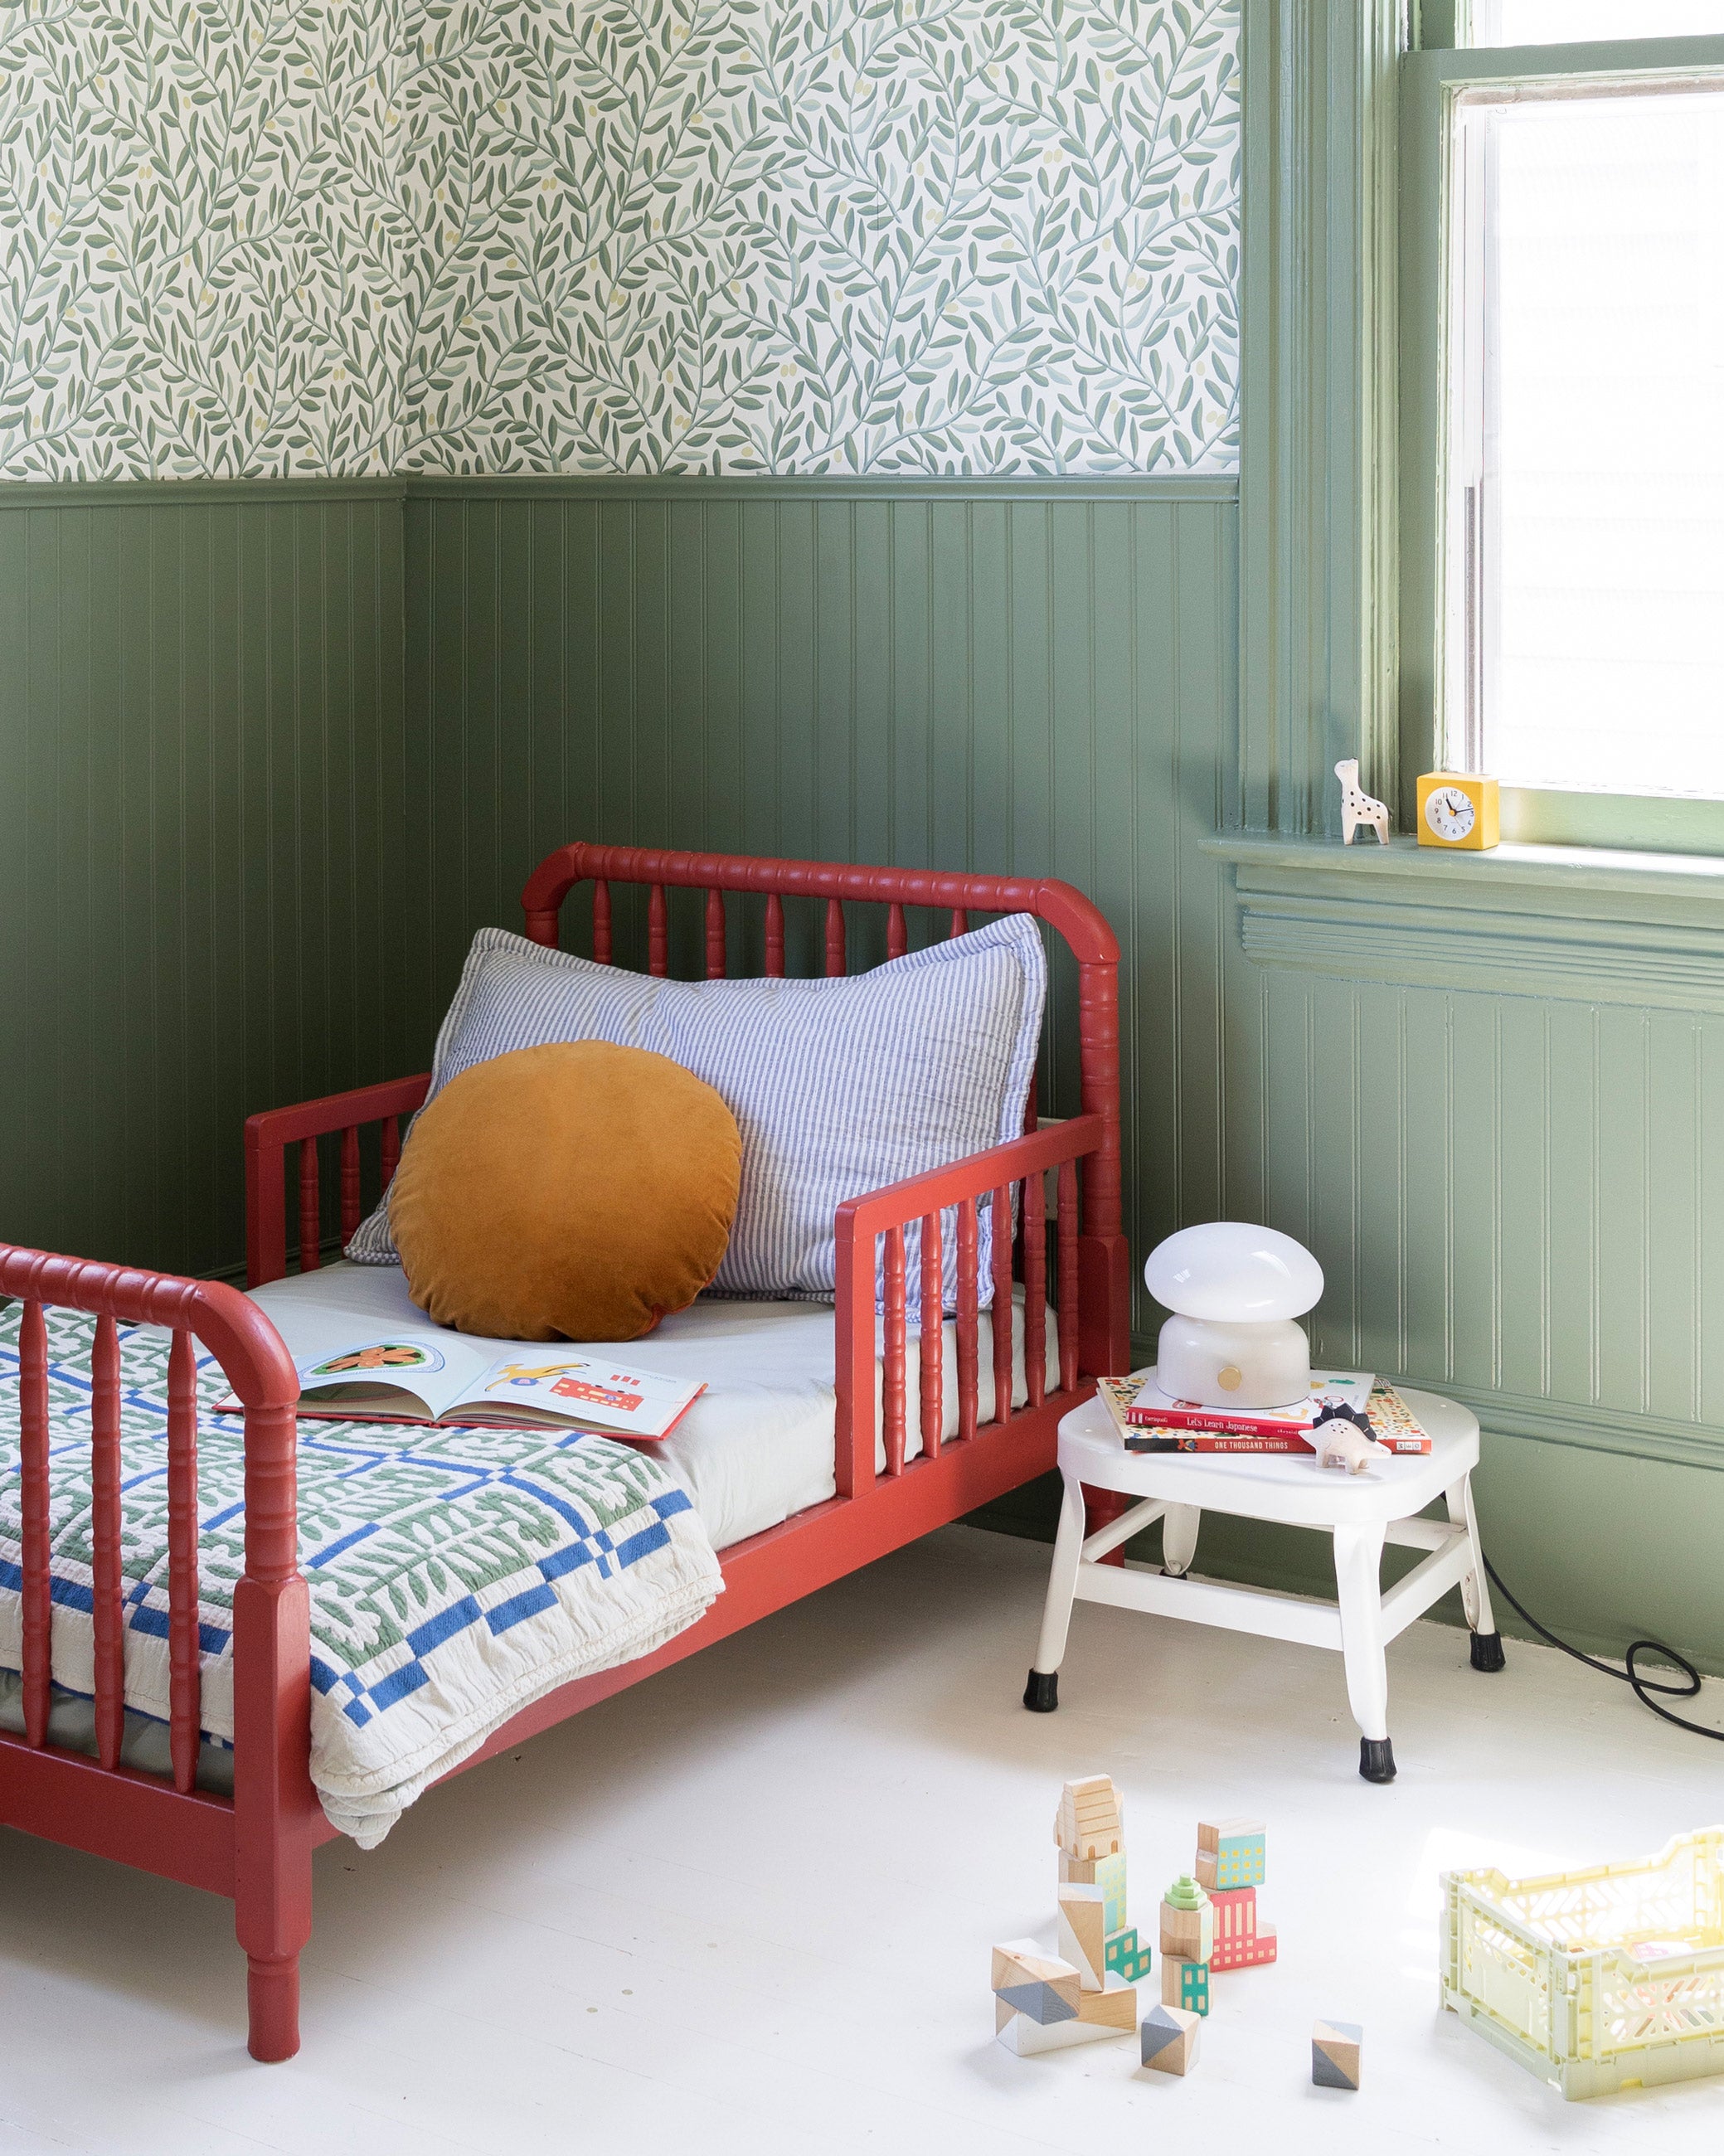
column 1458, row 809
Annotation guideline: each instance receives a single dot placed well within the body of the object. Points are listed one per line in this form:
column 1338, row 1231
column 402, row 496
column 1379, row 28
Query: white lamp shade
column 1233, row 1271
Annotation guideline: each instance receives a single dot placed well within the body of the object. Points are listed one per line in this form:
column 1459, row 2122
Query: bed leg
column 272, row 1998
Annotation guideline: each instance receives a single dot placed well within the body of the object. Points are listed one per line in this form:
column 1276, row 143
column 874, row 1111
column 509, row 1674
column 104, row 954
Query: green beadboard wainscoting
column 1514, row 1193
column 202, row 847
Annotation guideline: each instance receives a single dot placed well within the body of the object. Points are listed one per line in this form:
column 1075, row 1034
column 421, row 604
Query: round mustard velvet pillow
column 574, row 1192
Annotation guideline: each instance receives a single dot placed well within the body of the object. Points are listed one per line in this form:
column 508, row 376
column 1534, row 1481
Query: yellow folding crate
column 1596, row 1980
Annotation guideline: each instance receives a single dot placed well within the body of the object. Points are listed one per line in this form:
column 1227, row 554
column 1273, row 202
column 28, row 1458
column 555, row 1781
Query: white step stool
column 1361, row 1512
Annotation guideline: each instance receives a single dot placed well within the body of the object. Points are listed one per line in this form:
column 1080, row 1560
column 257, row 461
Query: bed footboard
column 255, row 1847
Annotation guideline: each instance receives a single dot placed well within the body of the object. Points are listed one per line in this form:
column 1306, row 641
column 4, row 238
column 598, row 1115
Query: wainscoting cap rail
column 1572, row 923
column 1060, row 905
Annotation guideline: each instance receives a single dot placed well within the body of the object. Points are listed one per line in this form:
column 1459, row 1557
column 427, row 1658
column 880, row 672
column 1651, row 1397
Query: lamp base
column 1220, row 1364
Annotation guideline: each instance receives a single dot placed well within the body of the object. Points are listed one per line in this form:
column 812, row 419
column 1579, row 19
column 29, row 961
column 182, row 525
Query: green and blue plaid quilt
column 455, row 1575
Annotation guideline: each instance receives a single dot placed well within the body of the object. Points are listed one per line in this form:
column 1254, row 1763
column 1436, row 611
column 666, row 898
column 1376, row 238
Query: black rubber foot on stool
column 1041, row 1695
column 1377, row 1759
column 1487, row 1650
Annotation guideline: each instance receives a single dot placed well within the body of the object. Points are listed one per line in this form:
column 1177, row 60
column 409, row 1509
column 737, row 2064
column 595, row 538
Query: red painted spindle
column 960, row 921
column 892, row 1381
column 715, row 935
column 897, row 933
column 968, row 1298
column 932, row 1346
column 351, row 1215
column 834, row 938
column 1067, row 1274
column 999, row 1227
column 185, row 1681
column 601, row 922
column 658, row 934
column 1035, row 1289
column 37, row 1546
column 775, row 936
column 309, row 1212
column 391, row 1149
column 109, row 1609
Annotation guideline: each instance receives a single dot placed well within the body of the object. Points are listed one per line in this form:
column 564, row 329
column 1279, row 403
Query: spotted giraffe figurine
column 1356, row 806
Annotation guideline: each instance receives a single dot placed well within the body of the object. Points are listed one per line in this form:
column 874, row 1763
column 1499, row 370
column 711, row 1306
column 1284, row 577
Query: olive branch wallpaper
column 244, row 238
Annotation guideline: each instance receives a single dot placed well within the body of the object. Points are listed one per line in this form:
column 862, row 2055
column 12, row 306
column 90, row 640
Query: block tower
column 1231, row 1862
column 1087, row 1990
column 1090, row 1830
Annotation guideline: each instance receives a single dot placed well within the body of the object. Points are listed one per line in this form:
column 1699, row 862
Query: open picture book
column 421, row 1372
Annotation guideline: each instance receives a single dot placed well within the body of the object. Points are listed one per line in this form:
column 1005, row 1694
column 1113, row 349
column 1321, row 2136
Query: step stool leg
column 1041, row 1695
column 1476, row 1587
column 1358, row 1580
column 1179, row 1538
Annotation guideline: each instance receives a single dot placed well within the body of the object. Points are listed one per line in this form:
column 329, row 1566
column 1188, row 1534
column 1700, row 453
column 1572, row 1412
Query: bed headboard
column 1103, row 1263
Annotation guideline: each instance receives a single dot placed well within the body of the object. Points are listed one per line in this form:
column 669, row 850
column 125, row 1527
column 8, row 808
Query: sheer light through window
column 1584, row 585
column 1558, row 22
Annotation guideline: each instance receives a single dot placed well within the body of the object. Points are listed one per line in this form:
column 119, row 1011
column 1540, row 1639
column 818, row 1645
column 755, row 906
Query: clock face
column 1448, row 812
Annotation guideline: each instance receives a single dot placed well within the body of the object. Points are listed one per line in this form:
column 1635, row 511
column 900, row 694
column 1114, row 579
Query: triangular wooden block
column 1025, row 1961
column 1083, row 1936
column 1041, row 2002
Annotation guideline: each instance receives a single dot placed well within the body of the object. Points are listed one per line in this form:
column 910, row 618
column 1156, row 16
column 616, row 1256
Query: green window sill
column 1582, row 923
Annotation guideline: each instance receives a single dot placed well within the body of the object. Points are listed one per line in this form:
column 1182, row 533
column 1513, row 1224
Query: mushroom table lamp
column 1234, row 1291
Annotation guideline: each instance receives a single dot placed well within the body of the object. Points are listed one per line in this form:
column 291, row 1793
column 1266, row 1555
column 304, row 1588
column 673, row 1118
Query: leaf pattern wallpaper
column 241, row 237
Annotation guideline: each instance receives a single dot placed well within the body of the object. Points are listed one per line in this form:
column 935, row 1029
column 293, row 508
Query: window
column 1582, row 525
column 1555, row 22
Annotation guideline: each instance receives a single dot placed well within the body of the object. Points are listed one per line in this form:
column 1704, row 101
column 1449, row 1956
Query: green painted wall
column 273, row 753
column 1514, row 1195
column 202, row 844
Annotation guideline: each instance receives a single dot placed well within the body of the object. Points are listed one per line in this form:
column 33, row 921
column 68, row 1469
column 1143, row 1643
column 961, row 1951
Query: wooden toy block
column 1335, row 2053
column 1264, row 1946
column 1114, row 2008
column 1019, row 2034
column 1127, row 1957
column 1106, row 1872
column 1238, row 1848
column 1167, row 2039
column 1235, row 1909
column 1090, row 1822
column 1188, row 1922
column 1203, row 1870
column 1185, row 1984
column 1083, row 1935
column 1035, row 1984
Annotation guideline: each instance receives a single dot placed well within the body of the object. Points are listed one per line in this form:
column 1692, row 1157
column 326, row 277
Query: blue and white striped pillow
column 838, row 1085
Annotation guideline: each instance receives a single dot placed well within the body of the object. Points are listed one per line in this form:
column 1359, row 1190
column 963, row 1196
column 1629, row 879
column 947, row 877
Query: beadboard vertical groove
column 201, row 847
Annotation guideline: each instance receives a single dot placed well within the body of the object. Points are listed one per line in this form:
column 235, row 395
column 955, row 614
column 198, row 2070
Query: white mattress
column 756, row 1446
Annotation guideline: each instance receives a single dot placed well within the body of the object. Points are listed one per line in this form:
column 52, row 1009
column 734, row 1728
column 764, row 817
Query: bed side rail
column 339, row 1115
column 1084, row 1352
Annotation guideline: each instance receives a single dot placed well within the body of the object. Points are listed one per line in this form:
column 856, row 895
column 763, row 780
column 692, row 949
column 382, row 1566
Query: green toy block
column 1194, row 1986
column 1126, row 1956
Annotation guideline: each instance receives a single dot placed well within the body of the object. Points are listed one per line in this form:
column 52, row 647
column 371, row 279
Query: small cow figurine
column 1343, row 1438
column 1356, row 806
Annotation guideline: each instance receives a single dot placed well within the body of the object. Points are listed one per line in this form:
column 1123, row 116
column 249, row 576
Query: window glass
column 1557, row 22
column 1584, row 631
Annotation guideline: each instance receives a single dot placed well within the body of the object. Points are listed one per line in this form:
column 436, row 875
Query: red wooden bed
column 256, row 1847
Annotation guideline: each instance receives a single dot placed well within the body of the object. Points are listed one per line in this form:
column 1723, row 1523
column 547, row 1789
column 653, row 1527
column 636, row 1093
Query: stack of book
column 1152, row 1421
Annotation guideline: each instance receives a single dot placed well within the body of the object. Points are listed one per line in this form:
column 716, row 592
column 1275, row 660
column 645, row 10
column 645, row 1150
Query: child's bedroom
column 862, row 884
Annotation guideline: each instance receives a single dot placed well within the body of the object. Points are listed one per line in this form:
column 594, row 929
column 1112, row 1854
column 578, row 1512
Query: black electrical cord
column 1642, row 1687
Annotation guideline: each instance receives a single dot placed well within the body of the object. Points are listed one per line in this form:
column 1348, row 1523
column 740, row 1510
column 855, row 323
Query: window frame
column 1431, row 78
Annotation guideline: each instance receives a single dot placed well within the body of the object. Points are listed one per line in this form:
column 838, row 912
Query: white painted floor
column 748, row 1906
